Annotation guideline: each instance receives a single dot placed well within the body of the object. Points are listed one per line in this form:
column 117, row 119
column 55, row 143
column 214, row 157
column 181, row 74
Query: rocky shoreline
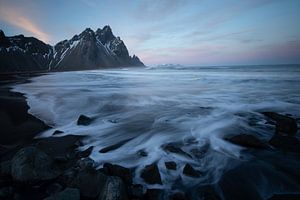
column 53, row 168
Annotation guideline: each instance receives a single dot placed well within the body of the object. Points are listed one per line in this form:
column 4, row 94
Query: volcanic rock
column 31, row 164
column 171, row 165
column 89, row 182
column 173, row 148
column 116, row 170
column 188, row 170
column 246, row 140
column 151, row 174
column 66, row 194
column 114, row 146
column 136, row 191
column 84, row 120
column 5, row 168
column 86, row 152
column 114, row 189
column 284, row 124
column 285, row 143
column 154, row 194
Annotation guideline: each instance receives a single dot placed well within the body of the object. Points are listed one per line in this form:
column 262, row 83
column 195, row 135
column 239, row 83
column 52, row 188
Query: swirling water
column 192, row 108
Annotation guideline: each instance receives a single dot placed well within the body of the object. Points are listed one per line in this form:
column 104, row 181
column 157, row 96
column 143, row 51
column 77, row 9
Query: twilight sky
column 188, row 32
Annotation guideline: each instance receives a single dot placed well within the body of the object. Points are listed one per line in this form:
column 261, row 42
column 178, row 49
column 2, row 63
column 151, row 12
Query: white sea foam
column 153, row 107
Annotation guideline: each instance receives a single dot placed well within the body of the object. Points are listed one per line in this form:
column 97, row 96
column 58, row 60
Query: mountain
column 19, row 53
column 88, row 50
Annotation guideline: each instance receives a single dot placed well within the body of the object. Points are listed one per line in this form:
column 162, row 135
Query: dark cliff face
column 19, row 53
column 88, row 50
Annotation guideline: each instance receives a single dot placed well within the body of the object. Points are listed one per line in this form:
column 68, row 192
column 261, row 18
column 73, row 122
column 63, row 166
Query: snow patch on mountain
column 88, row 50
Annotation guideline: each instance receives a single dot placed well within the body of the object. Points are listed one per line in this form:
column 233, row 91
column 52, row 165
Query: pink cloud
column 14, row 17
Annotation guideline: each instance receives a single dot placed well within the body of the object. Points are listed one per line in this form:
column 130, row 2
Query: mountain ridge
column 87, row 50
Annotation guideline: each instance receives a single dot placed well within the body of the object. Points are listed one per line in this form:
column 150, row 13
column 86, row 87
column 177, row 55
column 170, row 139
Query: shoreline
column 17, row 124
column 73, row 170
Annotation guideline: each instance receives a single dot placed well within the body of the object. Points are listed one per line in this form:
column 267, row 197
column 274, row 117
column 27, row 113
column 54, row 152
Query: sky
column 187, row 32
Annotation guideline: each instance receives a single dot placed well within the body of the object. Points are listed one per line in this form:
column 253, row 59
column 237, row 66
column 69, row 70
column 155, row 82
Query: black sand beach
column 17, row 124
column 18, row 129
column 51, row 167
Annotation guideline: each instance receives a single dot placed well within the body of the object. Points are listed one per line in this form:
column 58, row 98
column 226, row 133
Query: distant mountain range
column 88, row 50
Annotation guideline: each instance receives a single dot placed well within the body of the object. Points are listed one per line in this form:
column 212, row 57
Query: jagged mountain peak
column 3, row 40
column 75, row 37
column 105, row 35
column 136, row 59
column 2, row 35
column 107, row 28
column 87, row 50
column 88, row 31
column 87, row 34
column 98, row 31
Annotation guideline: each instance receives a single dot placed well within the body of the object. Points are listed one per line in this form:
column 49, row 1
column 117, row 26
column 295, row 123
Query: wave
column 142, row 110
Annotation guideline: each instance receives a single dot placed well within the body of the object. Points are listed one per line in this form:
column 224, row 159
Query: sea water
column 192, row 108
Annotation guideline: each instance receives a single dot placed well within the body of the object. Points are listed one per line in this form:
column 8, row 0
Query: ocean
column 147, row 109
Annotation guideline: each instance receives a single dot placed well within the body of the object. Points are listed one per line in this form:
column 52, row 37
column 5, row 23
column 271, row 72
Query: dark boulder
column 154, row 194
column 114, row 146
column 86, row 163
column 84, row 120
column 89, row 182
column 116, row 170
column 284, row 124
column 54, row 188
column 61, row 159
column 142, row 153
column 3, row 150
column 5, row 168
column 59, row 146
column 31, row 164
column 151, row 174
column 66, row 194
column 207, row 192
column 200, row 152
column 188, row 170
column 285, row 143
column 67, row 177
column 246, row 140
column 275, row 173
column 56, row 132
column 6, row 193
column 87, row 152
column 136, row 191
column 285, row 197
column 178, row 196
column 114, row 189
column 171, row 165
column 173, row 148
